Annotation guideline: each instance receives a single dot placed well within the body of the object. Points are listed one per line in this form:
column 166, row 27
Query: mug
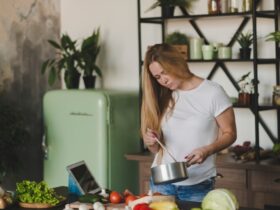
column 216, row 46
column 224, row 53
column 207, row 52
column 195, row 48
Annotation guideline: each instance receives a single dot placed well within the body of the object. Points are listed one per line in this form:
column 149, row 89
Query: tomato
column 130, row 198
column 115, row 197
column 142, row 206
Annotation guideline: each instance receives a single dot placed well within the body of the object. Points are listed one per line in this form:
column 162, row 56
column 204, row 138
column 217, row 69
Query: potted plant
column 74, row 61
column 274, row 36
column 90, row 49
column 245, row 40
column 13, row 137
column 66, row 59
column 168, row 6
column 179, row 41
column 246, row 89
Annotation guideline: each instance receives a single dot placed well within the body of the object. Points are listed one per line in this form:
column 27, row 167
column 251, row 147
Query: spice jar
column 246, row 5
column 276, row 95
column 214, row 7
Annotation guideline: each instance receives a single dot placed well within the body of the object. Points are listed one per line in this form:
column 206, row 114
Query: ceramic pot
column 245, row 53
column 89, row 81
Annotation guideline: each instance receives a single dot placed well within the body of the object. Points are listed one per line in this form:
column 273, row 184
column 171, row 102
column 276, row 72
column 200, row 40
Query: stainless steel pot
column 169, row 173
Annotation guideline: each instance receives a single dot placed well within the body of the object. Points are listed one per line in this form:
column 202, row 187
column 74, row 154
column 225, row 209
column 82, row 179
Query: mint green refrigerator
column 97, row 126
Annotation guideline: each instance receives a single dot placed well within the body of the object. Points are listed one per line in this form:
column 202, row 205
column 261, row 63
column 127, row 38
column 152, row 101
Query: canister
column 196, row 48
column 276, row 95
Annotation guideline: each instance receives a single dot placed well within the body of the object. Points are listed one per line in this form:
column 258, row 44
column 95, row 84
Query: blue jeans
column 184, row 192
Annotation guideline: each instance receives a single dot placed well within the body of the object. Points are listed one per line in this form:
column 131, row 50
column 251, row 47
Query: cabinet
column 254, row 184
column 256, row 107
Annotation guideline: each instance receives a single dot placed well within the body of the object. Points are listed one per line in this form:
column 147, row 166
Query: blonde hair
column 156, row 99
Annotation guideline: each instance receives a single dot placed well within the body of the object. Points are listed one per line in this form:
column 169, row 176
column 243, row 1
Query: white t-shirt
column 191, row 125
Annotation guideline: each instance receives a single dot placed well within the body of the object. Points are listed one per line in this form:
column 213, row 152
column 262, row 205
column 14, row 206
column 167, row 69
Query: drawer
column 231, row 178
column 265, row 181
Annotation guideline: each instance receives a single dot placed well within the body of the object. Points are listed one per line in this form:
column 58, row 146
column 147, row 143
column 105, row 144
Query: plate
column 39, row 205
column 35, row 205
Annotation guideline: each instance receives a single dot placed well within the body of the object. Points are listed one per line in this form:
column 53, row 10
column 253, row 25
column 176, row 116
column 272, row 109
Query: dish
column 40, row 205
column 35, row 205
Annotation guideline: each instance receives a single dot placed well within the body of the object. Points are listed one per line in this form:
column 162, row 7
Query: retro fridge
column 98, row 126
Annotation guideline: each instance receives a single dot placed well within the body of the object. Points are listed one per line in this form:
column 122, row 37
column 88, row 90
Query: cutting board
column 110, row 206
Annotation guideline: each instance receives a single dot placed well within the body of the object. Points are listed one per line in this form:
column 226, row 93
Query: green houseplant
column 74, row 61
column 178, row 40
column 168, row 6
column 13, row 138
column 67, row 59
column 273, row 36
column 90, row 49
column 245, row 41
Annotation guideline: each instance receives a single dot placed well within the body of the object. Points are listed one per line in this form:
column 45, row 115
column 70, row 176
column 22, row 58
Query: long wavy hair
column 156, row 99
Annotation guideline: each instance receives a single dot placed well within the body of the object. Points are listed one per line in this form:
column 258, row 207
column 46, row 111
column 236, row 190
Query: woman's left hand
column 197, row 156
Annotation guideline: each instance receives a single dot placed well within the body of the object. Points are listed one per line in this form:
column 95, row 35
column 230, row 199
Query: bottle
column 224, row 6
column 276, row 95
column 246, row 5
column 234, row 6
column 213, row 7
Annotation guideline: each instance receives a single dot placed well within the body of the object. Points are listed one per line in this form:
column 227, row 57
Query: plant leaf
column 54, row 44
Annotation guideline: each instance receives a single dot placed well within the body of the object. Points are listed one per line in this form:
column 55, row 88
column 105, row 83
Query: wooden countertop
column 223, row 160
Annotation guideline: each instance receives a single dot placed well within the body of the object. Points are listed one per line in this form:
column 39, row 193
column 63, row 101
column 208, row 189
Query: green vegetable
column 89, row 198
column 33, row 192
column 219, row 199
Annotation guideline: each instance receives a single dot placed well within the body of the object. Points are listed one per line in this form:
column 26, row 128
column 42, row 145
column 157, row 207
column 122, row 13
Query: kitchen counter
column 183, row 205
column 255, row 184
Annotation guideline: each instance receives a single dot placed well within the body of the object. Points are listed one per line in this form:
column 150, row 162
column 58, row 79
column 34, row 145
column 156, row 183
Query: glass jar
column 246, row 5
column 214, row 7
column 233, row 6
column 276, row 95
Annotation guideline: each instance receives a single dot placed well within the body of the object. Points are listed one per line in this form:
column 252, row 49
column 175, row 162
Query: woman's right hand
column 149, row 139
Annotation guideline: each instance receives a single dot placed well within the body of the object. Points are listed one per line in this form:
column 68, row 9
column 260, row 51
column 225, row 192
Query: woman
column 192, row 116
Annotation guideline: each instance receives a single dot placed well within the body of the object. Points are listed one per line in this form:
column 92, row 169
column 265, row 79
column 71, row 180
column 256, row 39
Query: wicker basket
column 183, row 49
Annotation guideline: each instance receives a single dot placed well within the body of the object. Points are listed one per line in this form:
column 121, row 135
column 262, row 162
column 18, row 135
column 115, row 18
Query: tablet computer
column 83, row 178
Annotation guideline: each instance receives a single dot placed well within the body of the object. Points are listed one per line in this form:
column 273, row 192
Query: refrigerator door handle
column 45, row 147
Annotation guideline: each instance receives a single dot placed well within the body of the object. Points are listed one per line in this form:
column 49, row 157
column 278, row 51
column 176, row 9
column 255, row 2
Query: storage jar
column 276, row 95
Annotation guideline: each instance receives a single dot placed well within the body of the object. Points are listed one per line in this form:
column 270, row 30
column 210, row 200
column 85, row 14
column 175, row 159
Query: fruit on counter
column 238, row 149
column 220, row 199
column 130, row 198
column 142, row 206
column 115, row 197
column 276, row 149
column 163, row 205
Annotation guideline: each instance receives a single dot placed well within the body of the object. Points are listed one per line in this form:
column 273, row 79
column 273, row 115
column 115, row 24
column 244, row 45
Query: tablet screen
column 83, row 177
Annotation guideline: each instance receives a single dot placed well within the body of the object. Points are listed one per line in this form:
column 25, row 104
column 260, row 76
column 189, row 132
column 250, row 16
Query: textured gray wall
column 25, row 27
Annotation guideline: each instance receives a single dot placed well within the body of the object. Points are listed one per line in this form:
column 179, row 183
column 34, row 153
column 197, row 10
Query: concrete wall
column 25, row 26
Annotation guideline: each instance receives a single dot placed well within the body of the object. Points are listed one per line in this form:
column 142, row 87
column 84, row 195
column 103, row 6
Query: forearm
column 223, row 141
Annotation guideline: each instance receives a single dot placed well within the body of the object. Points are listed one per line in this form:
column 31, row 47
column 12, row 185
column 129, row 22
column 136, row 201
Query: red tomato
column 130, row 198
column 115, row 197
column 138, row 206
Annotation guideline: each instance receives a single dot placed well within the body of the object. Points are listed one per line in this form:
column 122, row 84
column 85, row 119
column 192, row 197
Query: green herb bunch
column 245, row 40
column 33, row 192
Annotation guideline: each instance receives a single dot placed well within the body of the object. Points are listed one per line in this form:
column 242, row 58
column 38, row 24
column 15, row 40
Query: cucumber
column 89, row 198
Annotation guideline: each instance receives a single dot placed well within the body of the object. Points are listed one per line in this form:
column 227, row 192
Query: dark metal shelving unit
column 221, row 64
